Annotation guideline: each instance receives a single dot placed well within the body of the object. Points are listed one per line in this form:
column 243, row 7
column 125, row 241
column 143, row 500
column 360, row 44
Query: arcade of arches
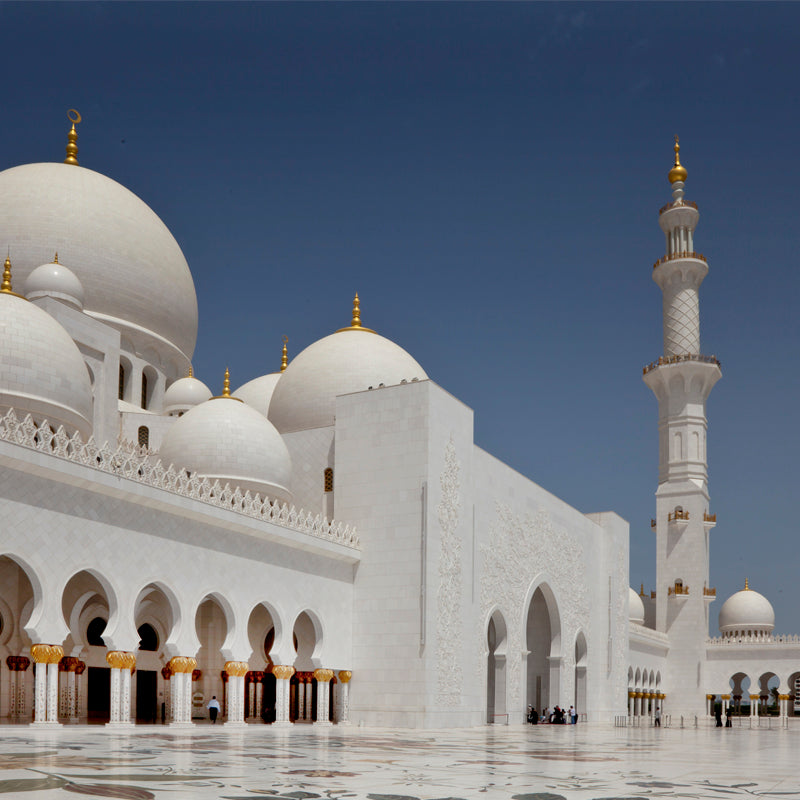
column 81, row 680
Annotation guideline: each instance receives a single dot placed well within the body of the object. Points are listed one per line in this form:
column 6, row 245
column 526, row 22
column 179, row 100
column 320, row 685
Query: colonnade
column 758, row 704
column 643, row 704
column 56, row 700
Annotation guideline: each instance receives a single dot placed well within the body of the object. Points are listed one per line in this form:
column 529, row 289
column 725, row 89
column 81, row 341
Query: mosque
column 325, row 544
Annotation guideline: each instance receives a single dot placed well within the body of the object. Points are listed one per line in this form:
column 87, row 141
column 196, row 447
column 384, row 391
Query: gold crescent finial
column 678, row 171
column 5, row 286
column 72, row 145
column 285, row 354
column 746, row 585
column 226, row 383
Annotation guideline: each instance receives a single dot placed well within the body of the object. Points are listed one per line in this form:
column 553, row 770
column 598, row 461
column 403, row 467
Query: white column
column 301, row 699
column 283, row 676
column 12, row 692
column 259, row 699
column 755, row 700
column 115, row 690
column 181, row 668
column 344, row 682
column 309, row 692
column 125, row 697
column 251, row 699
column 40, row 693
column 631, row 703
column 52, row 692
column 236, row 671
column 323, row 677
column 637, row 709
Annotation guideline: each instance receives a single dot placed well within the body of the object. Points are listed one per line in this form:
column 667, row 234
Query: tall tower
column 682, row 380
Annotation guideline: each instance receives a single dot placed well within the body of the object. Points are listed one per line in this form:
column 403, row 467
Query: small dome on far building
column 183, row 394
column 55, row 280
column 635, row 607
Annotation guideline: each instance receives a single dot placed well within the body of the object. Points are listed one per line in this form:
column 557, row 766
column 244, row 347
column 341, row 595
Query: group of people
column 718, row 716
column 558, row 716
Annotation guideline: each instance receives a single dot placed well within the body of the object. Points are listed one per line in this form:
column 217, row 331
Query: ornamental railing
column 140, row 465
column 709, row 592
column 682, row 254
column 676, row 204
column 755, row 638
column 677, row 589
column 662, row 361
column 709, row 517
column 678, row 515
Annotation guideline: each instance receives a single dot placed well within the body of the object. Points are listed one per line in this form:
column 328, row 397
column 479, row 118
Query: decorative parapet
column 677, row 589
column 754, row 638
column 676, row 256
column 710, row 519
column 709, row 592
column 678, row 515
column 141, row 466
column 662, row 361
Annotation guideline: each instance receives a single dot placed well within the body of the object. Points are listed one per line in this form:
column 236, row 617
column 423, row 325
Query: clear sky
column 488, row 178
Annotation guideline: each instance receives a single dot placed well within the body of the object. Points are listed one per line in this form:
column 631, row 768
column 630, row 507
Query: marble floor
column 546, row 762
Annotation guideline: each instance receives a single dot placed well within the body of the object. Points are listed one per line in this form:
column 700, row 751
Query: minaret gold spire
column 55, row 258
column 72, row 145
column 284, row 355
column 355, row 322
column 678, row 171
column 191, row 372
column 746, row 585
column 226, row 383
column 5, row 286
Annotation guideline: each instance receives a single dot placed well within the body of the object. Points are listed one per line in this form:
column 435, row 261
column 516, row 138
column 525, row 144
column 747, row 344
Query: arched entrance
column 211, row 626
column 543, row 640
column 304, row 697
column 497, row 643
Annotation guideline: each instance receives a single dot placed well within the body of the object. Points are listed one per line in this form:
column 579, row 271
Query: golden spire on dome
column 678, row 171
column 72, row 145
column 746, row 585
column 284, row 354
column 5, row 286
column 55, row 258
column 355, row 322
column 641, row 591
column 226, row 388
column 191, row 372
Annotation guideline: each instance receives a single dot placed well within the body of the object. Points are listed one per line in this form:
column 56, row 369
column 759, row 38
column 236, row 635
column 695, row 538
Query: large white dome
column 41, row 369
column 226, row 440
column 746, row 612
column 132, row 270
column 350, row 360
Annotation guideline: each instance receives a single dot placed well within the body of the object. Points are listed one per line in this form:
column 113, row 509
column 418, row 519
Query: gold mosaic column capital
column 120, row 659
column 182, row 664
column 47, row 653
column 323, row 675
column 282, row 672
column 237, row 669
column 345, row 675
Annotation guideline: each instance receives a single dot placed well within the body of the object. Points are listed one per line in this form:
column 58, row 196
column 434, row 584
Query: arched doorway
column 543, row 640
column 260, row 682
column 211, row 626
column 497, row 642
column 306, row 636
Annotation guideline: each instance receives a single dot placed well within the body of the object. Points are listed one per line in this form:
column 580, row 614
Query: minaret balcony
column 709, row 521
column 677, row 204
column 709, row 595
column 678, row 591
column 676, row 256
column 678, row 517
column 680, row 359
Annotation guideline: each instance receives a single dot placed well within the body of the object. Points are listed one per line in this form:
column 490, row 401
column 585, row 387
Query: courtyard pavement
column 545, row 762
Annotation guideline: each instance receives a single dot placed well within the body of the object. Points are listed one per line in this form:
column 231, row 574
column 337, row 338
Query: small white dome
column 257, row 393
column 350, row 360
column 746, row 612
column 224, row 439
column 55, row 280
column 636, row 607
column 41, row 369
column 183, row 394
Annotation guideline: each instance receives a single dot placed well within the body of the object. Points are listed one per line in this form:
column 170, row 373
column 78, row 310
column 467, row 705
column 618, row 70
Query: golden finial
column 191, row 372
column 641, row 591
column 355, row 322
column 746, row 585
column 5, row 286
column 72, row 145
column 55, row 258
column 284, row 354
column 226, row 383
column 678, row 172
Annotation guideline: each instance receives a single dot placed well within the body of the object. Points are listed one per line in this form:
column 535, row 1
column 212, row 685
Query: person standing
column 213, row 709
column 657, row 717
column 718, row 716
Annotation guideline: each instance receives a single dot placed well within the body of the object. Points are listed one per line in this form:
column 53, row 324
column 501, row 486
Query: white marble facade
column 366, row 563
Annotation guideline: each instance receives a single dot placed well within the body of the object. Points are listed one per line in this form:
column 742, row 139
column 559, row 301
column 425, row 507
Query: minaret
column 682, row 380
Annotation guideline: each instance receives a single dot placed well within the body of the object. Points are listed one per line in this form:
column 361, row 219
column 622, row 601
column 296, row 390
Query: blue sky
column 488, row 177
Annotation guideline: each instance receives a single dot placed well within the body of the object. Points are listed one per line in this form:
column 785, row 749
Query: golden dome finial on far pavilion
column 226, row 388
column 746, row 585
column 284, row 354
column 5, row 286
column 678, row 171
column 191, row 372
column 55, row 258
column 72, row 145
